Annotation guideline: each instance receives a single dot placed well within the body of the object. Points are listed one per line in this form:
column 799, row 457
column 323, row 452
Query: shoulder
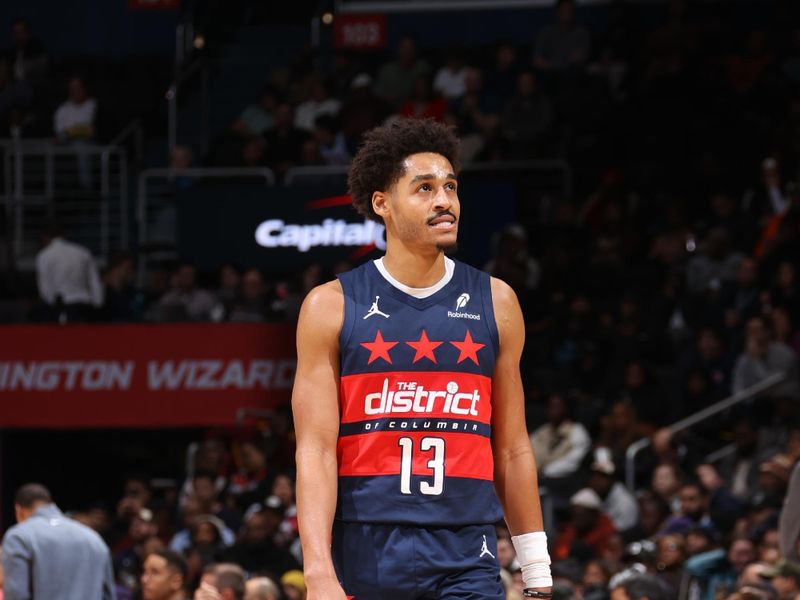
column 15, row 534
column 504, row 298
column 320, row 305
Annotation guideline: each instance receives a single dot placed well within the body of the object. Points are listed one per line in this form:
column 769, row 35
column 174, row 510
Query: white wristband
column 533, row 558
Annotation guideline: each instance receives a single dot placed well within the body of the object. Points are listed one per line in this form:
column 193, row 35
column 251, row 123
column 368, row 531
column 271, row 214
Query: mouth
column 443, row 222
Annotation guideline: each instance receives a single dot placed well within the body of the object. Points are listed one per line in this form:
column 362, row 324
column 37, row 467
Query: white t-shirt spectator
column 450, row 84
column 75, row 121
column 307, row 112
column 67, row 270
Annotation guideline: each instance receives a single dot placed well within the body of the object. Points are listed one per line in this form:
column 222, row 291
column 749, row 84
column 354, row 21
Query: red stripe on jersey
column 411, row 394
column 379, row 453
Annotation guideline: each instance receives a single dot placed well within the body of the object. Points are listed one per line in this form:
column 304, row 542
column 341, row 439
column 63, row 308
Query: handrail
column 172, row 101
column 701, row 415
column 294, row 172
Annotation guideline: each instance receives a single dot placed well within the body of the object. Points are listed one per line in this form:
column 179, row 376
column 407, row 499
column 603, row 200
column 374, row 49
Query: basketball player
column 409, row 411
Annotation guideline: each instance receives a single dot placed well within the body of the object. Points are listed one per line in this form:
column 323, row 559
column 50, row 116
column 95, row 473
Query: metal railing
column 84, row 187
column 755, row 390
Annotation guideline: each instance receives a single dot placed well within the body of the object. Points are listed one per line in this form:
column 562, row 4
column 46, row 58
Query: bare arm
column 515, row 477
column 315, row 402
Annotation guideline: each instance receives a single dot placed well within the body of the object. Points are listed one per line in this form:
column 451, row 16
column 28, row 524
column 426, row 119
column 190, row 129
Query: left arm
column 17, row 557
column 514, row 465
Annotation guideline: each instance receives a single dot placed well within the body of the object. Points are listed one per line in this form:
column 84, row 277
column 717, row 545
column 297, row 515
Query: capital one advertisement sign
column 281, row 230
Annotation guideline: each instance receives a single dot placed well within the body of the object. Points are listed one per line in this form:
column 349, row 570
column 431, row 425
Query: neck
column 413, row 268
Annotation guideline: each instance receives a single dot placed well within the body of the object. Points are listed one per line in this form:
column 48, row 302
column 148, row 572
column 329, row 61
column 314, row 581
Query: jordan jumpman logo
column 374, row 310
column 485, row 549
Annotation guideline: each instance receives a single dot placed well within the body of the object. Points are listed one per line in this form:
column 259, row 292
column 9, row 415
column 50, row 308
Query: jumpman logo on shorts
column 485, row 549
column 374, row 310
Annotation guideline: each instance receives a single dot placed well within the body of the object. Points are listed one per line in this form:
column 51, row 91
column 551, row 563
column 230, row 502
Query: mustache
column 442, row 213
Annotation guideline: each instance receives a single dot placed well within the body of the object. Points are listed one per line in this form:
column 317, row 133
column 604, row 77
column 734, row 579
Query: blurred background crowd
column 667, row 281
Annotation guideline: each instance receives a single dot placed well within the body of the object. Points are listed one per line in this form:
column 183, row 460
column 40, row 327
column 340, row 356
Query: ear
column 380, row 204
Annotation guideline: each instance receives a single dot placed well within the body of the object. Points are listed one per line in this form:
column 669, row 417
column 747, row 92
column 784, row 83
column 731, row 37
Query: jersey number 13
column 436, row 464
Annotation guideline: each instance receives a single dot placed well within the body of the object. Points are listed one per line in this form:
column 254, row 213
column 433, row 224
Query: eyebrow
column 428, row 176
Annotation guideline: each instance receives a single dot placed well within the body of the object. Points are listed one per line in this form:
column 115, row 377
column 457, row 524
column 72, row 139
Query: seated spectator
column 503, row 76
column 205, row 492
column 13, row 94
column 253, row 305
column 261, row 588
column 227, row 582
column 321, row 103
column 785, row 291
column 259, row 117
column 527, row 120
column 560, row 446
column 331, row 142
column 284, row 142
column 69, row 284
column 185, row 301
column 785, row 578
column 294, row 585
column 617, row 501
column 513, row 253
column 256, row 547
column 449, row 79
column 27, row 55
column 763, row 357
column 229, row 289
column 251, row 483
column 476, row 116
column 740, row 299
column 283, row 488
column 715, row 265
column 716, row 571
column 362, row 110
column 422, row 103
column 589, row 530
column 711, row 357
column 639, row 587
column 128, row 561
column 739, row 469
column 74, row 123
column 563, row 45
column 192, row 512
column 670, row 556
column 165, row 576
column 692, row 512
column 666, row 482
column 396, row 78
column 122, row 300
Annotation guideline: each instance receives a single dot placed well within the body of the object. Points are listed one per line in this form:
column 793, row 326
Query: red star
column 424, row 347
column 468, row 349
column 379, row 348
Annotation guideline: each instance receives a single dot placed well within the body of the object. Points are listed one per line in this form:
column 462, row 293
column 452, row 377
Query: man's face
column 204, row 489
column 692, row 504
column 741, row 554
column 76, row 90
column 421, row 209
column 158, row 580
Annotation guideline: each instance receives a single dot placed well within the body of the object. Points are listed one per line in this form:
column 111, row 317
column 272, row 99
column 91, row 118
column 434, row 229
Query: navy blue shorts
column 400, row 562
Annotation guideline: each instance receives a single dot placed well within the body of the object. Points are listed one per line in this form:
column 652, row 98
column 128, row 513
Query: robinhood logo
column 275, row 233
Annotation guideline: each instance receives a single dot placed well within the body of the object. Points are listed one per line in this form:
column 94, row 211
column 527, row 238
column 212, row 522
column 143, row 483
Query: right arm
column 315, row 402
column 17, row 567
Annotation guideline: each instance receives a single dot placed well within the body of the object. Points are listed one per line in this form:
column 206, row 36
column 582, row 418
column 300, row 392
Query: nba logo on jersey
column 415, row 393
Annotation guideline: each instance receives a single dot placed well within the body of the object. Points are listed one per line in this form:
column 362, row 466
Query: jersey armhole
column 488, row 310
column 349, row 310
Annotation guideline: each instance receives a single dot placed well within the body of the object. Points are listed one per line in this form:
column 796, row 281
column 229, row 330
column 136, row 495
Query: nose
column 442, row 201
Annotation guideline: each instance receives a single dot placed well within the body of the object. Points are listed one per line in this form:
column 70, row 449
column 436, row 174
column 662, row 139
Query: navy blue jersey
column 416, row 401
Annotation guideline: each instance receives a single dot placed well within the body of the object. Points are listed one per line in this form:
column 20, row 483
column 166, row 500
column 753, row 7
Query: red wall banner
column 142, row 375
column 135, row 5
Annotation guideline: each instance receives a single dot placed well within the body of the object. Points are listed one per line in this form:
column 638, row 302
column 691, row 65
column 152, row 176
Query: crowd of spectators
column 668, row 283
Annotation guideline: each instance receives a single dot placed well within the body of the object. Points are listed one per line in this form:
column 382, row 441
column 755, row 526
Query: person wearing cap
column 785, row 576
column 588, row 533
column 294, row 585
column 50, row 556
column 618, row 503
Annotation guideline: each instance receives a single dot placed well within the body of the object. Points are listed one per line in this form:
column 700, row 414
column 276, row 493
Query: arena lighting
column 327, row 18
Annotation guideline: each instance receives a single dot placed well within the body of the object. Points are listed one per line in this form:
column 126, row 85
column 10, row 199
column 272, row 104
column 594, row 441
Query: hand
column 206, row 591
column 324, row 588
column 544, row 590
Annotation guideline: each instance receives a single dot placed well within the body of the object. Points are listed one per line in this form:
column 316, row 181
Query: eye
column 451, row 186
column 425, row 187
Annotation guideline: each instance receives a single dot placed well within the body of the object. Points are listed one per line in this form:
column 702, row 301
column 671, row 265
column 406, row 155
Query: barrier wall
column 176, row 375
